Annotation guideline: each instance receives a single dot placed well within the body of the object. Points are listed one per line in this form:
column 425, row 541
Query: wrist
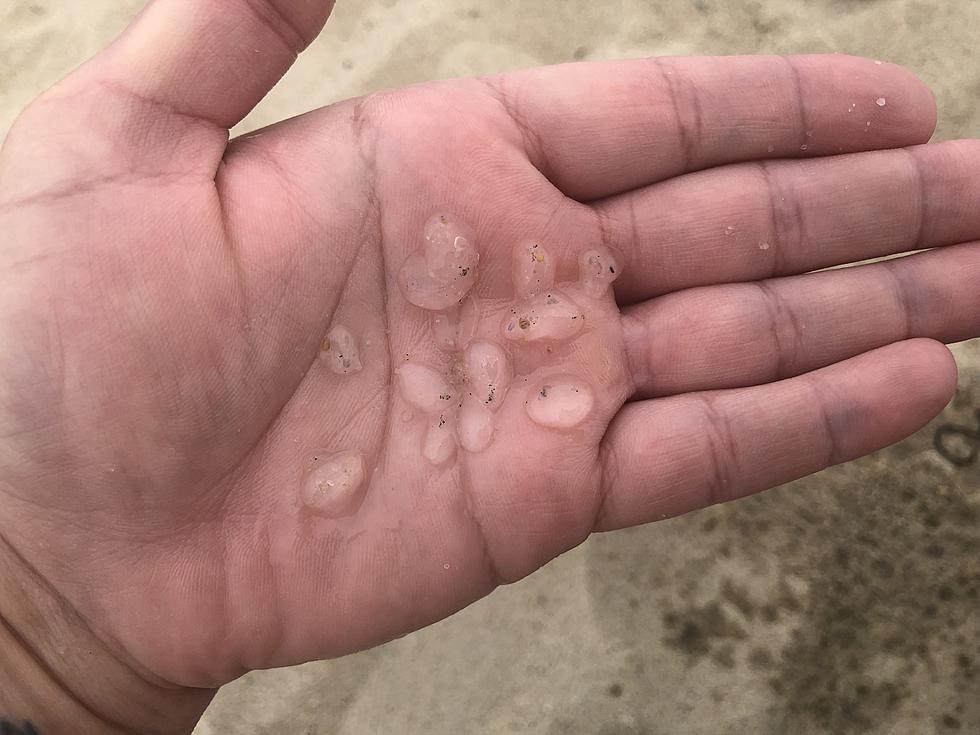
column 59, row 676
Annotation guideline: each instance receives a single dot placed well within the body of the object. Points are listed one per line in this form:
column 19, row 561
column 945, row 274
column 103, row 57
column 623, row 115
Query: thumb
column 161, row 98
column 210, row 59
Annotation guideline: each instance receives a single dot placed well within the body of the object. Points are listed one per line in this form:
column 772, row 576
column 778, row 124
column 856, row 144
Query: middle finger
column 752, row 221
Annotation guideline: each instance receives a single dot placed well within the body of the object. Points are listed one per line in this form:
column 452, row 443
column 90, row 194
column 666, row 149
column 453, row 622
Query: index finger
column 601, row 128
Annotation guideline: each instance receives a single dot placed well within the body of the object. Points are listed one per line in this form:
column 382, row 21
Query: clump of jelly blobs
column 482, row 376
column 459, row 402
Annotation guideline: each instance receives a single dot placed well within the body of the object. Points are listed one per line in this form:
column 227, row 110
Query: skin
column 163, row 296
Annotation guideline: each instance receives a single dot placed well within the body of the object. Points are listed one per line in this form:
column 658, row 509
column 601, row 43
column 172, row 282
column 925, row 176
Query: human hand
column 165, row 297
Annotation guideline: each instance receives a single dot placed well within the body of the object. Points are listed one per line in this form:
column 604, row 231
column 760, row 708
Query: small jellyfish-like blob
column 489, row 371
column 534, row 269
column 339, row 350
column 560, row 403
column 334, row 484
column 454, row 328
column 598, row 269
column 547, row 316
column 423, row 387
column 439, row 442
column 475, row 425
column 443, row 271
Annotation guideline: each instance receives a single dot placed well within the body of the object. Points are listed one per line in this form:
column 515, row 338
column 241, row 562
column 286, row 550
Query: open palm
column 169, row 388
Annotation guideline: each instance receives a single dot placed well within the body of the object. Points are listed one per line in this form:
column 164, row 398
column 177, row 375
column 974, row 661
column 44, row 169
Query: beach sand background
column 843, row 603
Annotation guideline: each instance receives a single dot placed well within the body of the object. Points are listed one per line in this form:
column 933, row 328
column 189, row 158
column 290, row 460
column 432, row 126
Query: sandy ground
column 847, row 602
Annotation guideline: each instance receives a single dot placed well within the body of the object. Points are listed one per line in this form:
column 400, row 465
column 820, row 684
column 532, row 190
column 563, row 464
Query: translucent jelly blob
column 551, row 315
column 598, row 268
column 334, row 484
column 560, row 403
column 534, row 269
column 489, row 373
column 423, row 387
column 443, row 270
column 475, row 425
column 340, row 352
column 439, row 442
column 454, row 328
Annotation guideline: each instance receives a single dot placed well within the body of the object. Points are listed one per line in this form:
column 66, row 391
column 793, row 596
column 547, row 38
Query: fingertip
column 923, row 106
column 919, row 379
column 889, row 103
column 934, row 368
column 892, row 392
